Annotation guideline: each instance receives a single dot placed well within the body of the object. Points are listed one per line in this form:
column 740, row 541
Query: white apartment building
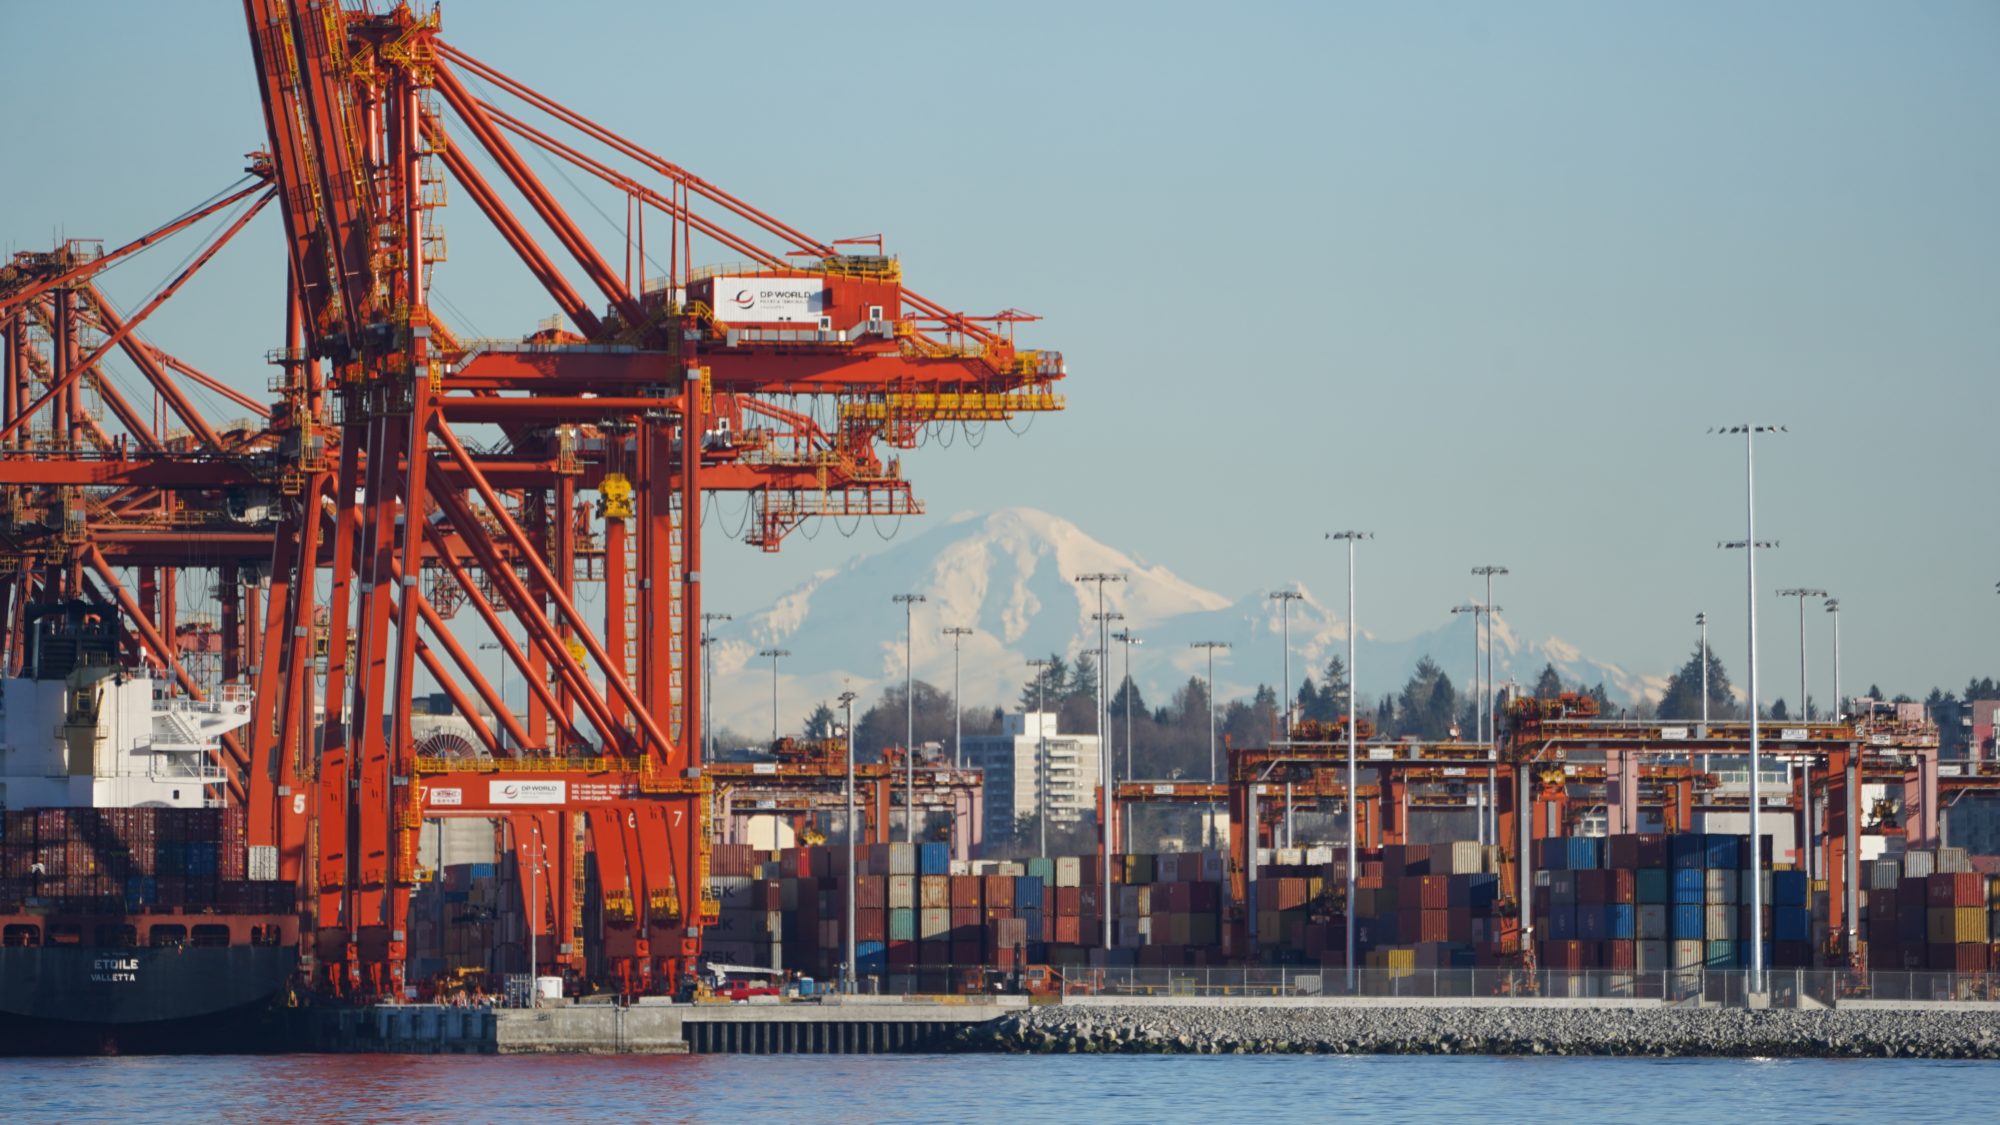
column 1015, row 773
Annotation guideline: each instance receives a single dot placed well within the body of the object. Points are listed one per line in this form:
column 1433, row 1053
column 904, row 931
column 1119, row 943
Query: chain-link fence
column 1788, row 988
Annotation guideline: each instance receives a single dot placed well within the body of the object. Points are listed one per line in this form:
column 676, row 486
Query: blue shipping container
column 1690, row 885
column 1621, row 921
column 1685, row 849
column 1590, row 923
column 934, row 858
column 1790, row 923
column 1687, row 923
column 1562, row 923
column 1583, row 852
column 870, row 956
column 1028, row 892
column 1788, row 888
column 1724, row 853
column 1482, row 890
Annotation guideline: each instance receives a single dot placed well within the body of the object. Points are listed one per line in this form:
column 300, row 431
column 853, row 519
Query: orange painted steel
column 350, row 520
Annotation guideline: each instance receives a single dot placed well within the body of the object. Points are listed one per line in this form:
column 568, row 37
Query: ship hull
column 82, row 999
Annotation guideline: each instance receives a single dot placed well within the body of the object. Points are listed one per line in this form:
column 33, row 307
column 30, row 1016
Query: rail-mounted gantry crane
column 407, row 488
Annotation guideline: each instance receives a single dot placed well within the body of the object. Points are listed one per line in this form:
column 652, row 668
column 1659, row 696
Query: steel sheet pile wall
column 1931, row 911
column 130, row 861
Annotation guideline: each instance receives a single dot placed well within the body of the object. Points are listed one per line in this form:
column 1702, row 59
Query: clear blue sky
column 1476, row 277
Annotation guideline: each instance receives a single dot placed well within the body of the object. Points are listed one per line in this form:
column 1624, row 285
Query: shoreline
column 1434, row 1029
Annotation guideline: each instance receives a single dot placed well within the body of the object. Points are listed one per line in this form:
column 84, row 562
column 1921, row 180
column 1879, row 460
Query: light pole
column 1750, row 546
column 1126, row 636
column 708, row 684
column 774, row 654
column 1352, row 537
column 1041, row 668
column 1701, row 623
column 1805, row 716
column 909, row 604
column 1209, row 689
column 957, row 633
column 1492, row 720
column 849, row 978
column 1839, row 708
column 1105, row 795
column 1128, row 639
column 1285, row 598
column 1802, row 593
column 1487, row 833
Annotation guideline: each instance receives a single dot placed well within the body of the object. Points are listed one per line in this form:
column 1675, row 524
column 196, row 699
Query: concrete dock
column 833, row 1026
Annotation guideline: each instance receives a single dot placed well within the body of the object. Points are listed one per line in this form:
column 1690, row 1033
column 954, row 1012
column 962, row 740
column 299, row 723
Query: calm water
column 1048, row 1090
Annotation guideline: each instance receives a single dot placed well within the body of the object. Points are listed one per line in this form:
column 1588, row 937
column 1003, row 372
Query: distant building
column 1013, row 782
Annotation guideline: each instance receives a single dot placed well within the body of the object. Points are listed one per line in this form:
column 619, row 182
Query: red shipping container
column 1569, row 955
column 1621, row 955
column 1591, row 889
column 1068, row 901
column 1956, row 888
column 871, row 892
column 965, row 892
column 1067, row 931
column 1623, row 885
column 1885, row 956
column 1963, row 958
column 1048, row 899
column 972, row 952
column 966, row 918
column 869, row 924
column 902, row 954
column 1458, row 924
column 1434, row 925
column 999, row 891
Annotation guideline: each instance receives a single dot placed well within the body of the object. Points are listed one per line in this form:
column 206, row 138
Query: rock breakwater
column 1659, row 1032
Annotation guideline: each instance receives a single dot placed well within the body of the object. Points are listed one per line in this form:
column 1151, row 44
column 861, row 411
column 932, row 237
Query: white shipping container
column 902, row 892
column 1069, row 871
column 1721, row 922
column 1689, row 954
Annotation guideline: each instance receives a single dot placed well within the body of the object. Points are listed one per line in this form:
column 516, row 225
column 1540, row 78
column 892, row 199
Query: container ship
column 133, row 916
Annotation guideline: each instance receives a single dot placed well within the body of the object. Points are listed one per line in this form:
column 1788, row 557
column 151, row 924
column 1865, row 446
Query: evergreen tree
column 1045, row 687
column 1137, row 699
column 1875, row 692
column 1334, row 689
column 1427, row 702
column 1385, row 716
column 1779, row 712
column 821, row 723
column 1082, row 678
column 1312, row 705
column 1682, row 701
column 1191, row 704
column 1549, row 684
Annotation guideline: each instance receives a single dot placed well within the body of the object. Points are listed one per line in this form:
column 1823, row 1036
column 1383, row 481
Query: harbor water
column 957, row 1088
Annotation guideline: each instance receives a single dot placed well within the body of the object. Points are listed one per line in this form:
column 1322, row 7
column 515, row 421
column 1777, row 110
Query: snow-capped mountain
column 1010, row 577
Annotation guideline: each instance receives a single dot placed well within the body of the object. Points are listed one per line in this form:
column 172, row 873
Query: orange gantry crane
column 357, row 536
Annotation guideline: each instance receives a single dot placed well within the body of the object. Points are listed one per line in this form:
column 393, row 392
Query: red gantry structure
column 411, row 497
